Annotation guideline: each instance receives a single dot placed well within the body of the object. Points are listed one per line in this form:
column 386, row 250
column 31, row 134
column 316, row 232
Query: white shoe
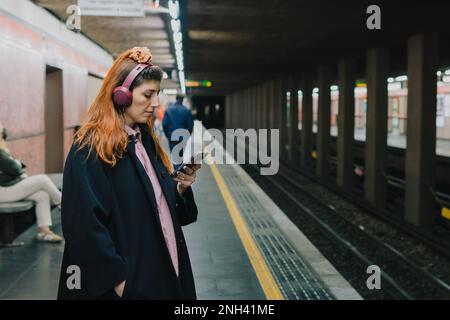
column 48, row 236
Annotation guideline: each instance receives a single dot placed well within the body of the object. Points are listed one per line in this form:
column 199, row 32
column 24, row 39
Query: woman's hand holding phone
column 186, row 175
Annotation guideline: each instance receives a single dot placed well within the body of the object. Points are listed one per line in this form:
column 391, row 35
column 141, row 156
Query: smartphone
column 194, row 160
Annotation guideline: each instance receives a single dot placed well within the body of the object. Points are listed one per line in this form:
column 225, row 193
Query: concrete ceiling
column 237, row 43
column 117, row 34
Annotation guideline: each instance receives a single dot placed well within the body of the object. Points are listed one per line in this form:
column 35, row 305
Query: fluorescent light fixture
column 181, row 65
column 178, row 46
column 390, row 80
column 174, row 9
column 334, row 88
column 315, row 90
column 176, row 25
column 299, row 93
column 401, row 78
column 439, row 73
column 288, row 93
column 447, row 72
column 178, row 37
column 182, row 82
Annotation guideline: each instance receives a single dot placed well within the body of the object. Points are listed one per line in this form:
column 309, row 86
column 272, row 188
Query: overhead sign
column 112, row 8
column 196, row 84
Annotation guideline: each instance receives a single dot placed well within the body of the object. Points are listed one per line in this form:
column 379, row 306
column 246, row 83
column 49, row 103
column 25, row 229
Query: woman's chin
column 147, row 116
column 143, row 120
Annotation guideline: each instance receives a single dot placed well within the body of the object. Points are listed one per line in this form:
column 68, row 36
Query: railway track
column 401, row 277
column 438, row 239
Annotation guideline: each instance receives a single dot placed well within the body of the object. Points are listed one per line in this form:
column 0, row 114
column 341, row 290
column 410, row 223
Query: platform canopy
column 235, row 43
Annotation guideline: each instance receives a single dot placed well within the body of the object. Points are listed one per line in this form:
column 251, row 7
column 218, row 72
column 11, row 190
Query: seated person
column 15, row 185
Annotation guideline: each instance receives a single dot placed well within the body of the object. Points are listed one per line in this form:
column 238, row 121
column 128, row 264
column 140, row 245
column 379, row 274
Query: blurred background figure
column 158, row 122
column 15, row 185
column 177, row 116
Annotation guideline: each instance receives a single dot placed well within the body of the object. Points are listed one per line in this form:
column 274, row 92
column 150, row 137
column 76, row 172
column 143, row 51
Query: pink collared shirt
column 163, row 208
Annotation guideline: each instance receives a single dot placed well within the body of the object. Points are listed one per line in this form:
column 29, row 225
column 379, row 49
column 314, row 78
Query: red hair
column 103, row 128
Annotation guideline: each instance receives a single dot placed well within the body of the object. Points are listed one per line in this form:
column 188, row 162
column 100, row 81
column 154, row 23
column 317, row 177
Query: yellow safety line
column 266, row 280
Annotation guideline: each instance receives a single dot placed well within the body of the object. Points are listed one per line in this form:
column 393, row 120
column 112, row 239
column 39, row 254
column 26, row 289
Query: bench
column 8, row 210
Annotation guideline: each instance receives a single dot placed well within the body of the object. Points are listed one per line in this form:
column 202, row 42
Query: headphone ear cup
column 122, row 97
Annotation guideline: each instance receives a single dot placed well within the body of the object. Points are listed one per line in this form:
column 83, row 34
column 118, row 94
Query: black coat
column 10, row 169
column 113, row 232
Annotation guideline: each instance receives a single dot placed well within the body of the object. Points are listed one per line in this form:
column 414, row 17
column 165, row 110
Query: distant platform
column 399, row 141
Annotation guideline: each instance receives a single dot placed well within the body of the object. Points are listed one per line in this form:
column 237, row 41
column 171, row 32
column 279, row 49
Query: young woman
column 121, row 211
column 15, row 185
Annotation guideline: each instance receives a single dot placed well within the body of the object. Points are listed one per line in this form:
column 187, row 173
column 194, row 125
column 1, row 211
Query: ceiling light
column 401, row 78
column 178, row 37
column 176, row 25
column 174, row 9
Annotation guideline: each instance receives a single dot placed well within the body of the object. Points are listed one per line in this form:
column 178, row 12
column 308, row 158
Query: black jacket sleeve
column 86, row 215
column 9, row 166
column 186, row 208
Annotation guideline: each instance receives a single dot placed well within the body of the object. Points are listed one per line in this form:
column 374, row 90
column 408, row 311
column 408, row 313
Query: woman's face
column 145, row 100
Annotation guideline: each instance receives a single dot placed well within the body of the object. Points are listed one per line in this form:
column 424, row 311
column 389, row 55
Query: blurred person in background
column 177, row 116
column 158, row 122
column 15, row 185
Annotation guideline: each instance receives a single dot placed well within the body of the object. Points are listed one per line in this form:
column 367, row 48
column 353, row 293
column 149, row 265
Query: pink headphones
column 122, row 95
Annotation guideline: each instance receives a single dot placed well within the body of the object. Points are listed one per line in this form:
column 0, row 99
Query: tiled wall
column 24, row 53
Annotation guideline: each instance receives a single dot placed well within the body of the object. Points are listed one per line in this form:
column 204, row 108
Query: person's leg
column 29, row 186
column 43, row 212
column 43, row 217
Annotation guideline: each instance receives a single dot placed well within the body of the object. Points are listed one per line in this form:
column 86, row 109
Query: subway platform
column 241, row 247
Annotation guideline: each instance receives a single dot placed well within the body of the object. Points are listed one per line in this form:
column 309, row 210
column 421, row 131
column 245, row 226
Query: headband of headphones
column 134, row 73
